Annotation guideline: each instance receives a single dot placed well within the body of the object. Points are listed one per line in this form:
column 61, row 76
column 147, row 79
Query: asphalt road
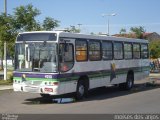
column 141, row 99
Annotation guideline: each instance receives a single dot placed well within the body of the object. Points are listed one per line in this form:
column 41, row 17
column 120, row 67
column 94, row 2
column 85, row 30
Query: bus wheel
column 128, row 84
column 80, row 91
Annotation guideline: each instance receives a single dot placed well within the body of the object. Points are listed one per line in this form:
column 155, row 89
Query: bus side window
column 136, row 51
column 107, row 50
column 66, row 58
column 128, row 50
column 81, row 50
column 94, row 50
column 118, row 50
column 144, row 51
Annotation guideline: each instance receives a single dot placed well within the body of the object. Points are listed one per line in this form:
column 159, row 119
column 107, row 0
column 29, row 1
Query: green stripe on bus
column 90, row 75
column 44, row 79
column 36, row 79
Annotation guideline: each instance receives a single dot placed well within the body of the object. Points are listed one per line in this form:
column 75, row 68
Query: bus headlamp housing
column 17, row 81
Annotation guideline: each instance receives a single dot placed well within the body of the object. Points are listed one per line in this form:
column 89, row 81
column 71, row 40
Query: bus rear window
column 37, row 37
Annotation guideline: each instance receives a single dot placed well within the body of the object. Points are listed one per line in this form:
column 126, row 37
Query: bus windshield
column 36, row 57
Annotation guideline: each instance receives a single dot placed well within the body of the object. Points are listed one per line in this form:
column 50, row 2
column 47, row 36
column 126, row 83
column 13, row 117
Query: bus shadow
column 113, row 92
column 98, row 94
column 37, row 101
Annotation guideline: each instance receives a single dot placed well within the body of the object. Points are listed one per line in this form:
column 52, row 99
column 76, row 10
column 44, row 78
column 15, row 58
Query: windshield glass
column 36, row 57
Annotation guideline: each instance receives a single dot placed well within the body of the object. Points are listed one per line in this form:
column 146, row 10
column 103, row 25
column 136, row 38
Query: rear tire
column 128, row 84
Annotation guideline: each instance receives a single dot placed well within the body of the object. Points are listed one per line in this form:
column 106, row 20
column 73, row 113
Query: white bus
column 56, row 63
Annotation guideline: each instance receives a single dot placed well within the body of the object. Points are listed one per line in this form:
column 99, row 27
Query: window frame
column 59, row 68
column 128, row 51
column 106, row 50
column 81, row 50
column 122, row 50
column 137, row 51
column 100, row 50
column 142, row 52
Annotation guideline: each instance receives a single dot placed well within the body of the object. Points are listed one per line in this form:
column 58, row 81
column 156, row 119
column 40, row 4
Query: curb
column 6, row 87
column 154, row 75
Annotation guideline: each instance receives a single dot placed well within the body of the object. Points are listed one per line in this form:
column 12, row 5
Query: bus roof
column 85, row 36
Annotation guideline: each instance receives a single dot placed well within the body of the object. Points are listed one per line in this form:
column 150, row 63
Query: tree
column 73, row 29
column 50, row 23
column 6, row 34
column 92, row 33
column 25, row 18
column 154, row 49
column 122, row 31
column 138, row 31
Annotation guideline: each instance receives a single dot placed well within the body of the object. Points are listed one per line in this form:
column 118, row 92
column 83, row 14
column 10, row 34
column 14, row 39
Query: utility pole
column 113, row 14
column 5, row 44
column 79, row 25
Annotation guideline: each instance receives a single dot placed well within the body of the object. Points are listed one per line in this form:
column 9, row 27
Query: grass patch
column 9, row 80
column 6, row 82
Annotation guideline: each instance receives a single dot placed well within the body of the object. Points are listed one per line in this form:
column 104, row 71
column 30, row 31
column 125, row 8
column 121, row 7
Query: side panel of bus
column 101, row 72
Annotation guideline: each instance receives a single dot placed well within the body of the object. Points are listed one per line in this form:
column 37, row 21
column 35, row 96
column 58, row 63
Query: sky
column 129, row 13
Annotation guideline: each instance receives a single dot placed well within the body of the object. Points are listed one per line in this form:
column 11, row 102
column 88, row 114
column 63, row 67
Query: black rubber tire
column 81, row 90
column 128, row 84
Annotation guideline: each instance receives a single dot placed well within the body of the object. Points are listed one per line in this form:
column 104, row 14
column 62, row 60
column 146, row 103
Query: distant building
column 130, row 35
column 151, row 36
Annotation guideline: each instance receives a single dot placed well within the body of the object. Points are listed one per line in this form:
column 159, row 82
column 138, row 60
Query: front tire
column 81, row 90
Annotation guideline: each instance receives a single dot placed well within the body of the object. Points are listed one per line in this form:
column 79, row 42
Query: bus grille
column 36, row 83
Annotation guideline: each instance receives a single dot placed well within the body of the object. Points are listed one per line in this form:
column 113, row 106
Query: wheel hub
column 130, row 83
column 81, row 90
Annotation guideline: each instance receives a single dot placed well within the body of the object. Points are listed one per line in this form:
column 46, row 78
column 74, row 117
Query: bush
column 9, row 81
column 5, row 82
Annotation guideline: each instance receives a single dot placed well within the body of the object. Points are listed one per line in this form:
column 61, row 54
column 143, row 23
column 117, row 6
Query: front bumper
column 22, row 87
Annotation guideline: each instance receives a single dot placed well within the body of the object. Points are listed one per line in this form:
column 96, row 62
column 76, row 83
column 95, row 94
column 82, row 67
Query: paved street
column 141, row 99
